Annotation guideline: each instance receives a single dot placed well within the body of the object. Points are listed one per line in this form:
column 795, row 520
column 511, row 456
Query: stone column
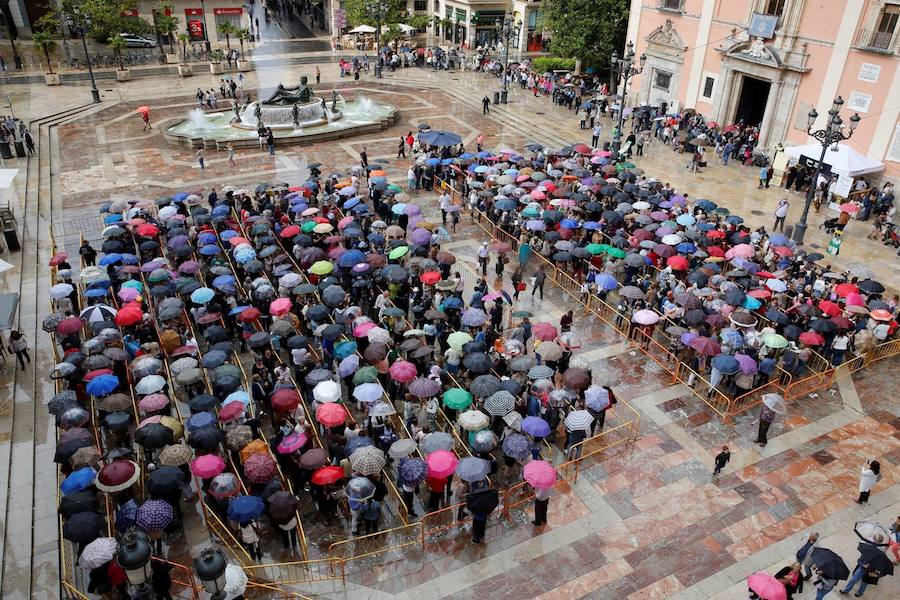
column 765, row 128
column 725, row 94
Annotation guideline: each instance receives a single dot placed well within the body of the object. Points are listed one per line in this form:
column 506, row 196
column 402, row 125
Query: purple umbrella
column 348, row 366
column 535, row 426
column 151, row 266
column 747, row 364
column 420, row 237
column 517, row 446
column 658, row 215
column 423, row 387
column 535, row 225
column 412, row 470
column 361, row 268
column 178, row 240
column 687, row 338
column 473, row 317
column 155, row 515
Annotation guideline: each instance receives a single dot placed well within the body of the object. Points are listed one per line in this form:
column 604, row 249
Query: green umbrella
column 398, row 252
column 322, row 267
column 308, row 226
column 721, row 210
column 596, row 248
column 615, row 252
column 458, row 339
column 522, row 314
column 395, row 188
column 457, row 399
column 624, row 165
column 366, row 374
column 134, row 283
column 774, row 341
column 531, row 212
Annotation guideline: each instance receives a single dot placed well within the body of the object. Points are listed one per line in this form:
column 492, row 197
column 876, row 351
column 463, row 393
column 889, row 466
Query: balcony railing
column 670, row 5
column 875, row 41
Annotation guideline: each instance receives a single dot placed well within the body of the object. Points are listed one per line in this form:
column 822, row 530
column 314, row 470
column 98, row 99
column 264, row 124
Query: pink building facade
column 768, row 62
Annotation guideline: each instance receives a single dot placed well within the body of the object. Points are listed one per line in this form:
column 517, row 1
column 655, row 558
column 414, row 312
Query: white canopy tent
column 406, row 29
column 843, row 161
column 363, row 29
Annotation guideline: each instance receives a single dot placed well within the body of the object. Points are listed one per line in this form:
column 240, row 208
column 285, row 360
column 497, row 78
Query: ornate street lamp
column 378, row 9
column 830, row 135
column 507, row 30
column 625, row 69
column 134, row 558
column 210, row 570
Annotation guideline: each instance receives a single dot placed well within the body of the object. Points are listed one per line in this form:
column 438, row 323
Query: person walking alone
column 485, row 105
column 401, row 147
column 146, row 117
column 230, row 150
column 766, row 418
column 19, row 346
column 270, row 141
column 868, row 477
column 201, row 157
column 596, row 132
column 541, row 501
column 780, row 214
column 722, row 459
column 539, row 278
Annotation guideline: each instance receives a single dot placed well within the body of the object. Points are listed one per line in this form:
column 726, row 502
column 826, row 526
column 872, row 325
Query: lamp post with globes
column 134, row 557
column 507, row 30
column 379, row 10
column 625, row 69
column 830, row 135
column 210, row 569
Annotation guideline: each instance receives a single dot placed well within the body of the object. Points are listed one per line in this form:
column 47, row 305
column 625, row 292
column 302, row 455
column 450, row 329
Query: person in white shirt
column 838, row 348
column 445, row 202
column 780, row 214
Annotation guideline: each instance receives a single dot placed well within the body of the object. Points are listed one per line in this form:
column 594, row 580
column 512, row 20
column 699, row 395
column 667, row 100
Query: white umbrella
column 150, row 384
column 671, row 239
column 235, row 580
column 382, row 409
column 379, row 335
column 327, row 391
column 402, row 448
column 473, row 420
column 97, row 553
column 579, row 420
column 363, row 29
column 61, row 290
column 775, row 403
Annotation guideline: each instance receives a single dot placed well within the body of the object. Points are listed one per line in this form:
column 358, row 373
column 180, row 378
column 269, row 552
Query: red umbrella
column 715, row 251
column 97, row 372
column 285, row 400
column 207, row 466
column 290, row 231
column 331, row 415
column 230, row 411
column 811, row 338
column 142, row 109
column 715, row 234
column 678, row 263
column 783, row 251
column 829, row 308
column 706, row 346
column 117, row 476
column 760, row 294
column 842, row 322
column 58, row 258
column 582, row 148
column 249, row 315
column 327, row 475
column 237, row 241
column 147, row 230
column 845, row 289
column 430, row 277
column 69, row 325
column 260, row 468
column 130, row 314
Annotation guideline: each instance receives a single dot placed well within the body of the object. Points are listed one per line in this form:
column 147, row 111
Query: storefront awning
column 843, row 161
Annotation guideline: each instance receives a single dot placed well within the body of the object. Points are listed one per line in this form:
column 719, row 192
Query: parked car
column 137, row 41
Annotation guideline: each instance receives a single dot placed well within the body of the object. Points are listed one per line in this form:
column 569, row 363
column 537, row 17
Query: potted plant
column 117, row 43
column 215, row 61
column 243, row 64
column 43, row 40
column 168, row 25
column 184, row 69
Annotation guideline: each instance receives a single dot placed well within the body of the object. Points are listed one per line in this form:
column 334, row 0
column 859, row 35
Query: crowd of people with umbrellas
column 253, row 354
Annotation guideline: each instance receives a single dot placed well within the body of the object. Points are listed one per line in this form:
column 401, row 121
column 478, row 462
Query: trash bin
column 10, row 227
column 496, row 97
column 503, row 95
column 5, row 150
column 12, row 239
column 20, row 149
column 788, row 231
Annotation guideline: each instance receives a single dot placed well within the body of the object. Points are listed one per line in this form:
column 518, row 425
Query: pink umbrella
column 854, row 300
column 128, row 294
column 544, row 331
column 344, row 222
column 441, row 463
column 403, row 371
column 491, row 296
column 766, row 586
column 538, row 195
column 281, row 306
column 645, row 317
column 149, row 420
column 207, row 466
column 153, row 403
column 540, row 474
column 740, row 251
column 361, row 330
column 292, row 443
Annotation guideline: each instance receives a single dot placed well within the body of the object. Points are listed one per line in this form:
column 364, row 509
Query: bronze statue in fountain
column 287, row 95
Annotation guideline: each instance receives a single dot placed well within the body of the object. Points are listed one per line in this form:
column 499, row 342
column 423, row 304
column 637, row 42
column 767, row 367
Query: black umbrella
column 215, row 334
column 694, row 316
column 84, row 527
column 477, row 363
column 202, row 403
column 224, row 346
column 153, row 435
column 870, row 287
column 822, row 325
column 698, row 277
column 207, row 438
column 792, row 332
column 318, row 312
column 65, row 451
column 474, row 347
column 117, row 421
column 813, row 257
column 735, row 297
column 77, row 502
column 297, row 341
column 62, row 402
column 282, row 505
column 482, row 502
column 164, row 481
column 777, row 317
column 512, row 386
column 259, row 339
column 875, row 557
column 333, row 331
column 830, row 564
column 214, row 359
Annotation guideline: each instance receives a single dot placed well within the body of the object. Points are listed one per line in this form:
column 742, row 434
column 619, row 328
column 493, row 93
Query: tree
column 418, row 21
column 117, row 43
column 228, row 30
column 103, row 19
column 243, row 34
column 359, row 12
column 166, row 24
column 393, row 34
column 184, row 39
column 43, row 38
column 588, row 30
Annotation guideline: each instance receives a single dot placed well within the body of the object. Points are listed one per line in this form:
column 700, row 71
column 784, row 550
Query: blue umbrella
column 706, row 226
column 778, row 239
column 536, row 426
column 209, row 250
column 238, row 396
column 208, row 237
column 431, row 162
column 102, row 385
column 447, row 161
column 751, row 303
column 224, row 283
column 356, row 443
column 221, row 210
column 348, row 366
column 96, row 293
column 109, row 219
column 731, row 337
column 180, row 197
column 569, row 224
column 244, row 509
column 350, row 258
column 517, row 446
column 440, row 138
column 368, row 392
column 451, row 302
column 347, row 191
column 686, row 248
column 110, row 259
column 344, row 350
column 237, row 310
column 413, row 470
column 482, row 169
column 378, row 179
column 734, row 220
column 351, row 203
column 591, row 225
column 505, row 204
column 607, row 282
column 483, row 154
column 201, row 420
column 244, row 254
column 78, row 480
column 726, row 364
column 706, row 205
column 202, row 295
column 126, row 516
column 466, row 156
column 685, row 219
